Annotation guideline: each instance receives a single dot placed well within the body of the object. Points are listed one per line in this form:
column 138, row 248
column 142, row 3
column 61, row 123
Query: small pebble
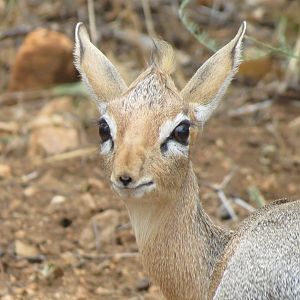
column 143, row 284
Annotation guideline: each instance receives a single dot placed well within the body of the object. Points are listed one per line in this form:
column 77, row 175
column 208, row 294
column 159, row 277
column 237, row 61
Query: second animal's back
column 262, row 261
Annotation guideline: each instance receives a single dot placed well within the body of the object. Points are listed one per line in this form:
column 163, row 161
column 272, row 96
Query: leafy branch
column 203, row 38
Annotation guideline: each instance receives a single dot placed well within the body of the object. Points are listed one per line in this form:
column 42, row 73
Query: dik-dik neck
column 178, row 242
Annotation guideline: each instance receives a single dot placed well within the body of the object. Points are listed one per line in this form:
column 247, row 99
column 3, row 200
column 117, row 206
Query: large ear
column 206, row 88
column 99, row 74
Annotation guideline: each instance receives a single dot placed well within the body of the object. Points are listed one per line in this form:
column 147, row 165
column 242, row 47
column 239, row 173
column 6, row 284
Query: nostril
column 125, row 180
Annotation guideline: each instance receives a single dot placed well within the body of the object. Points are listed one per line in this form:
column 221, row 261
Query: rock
column 5, row 171
column 88, row 200
column 45, row 58
column 104, row 226
column 30, row 191
column 220, row 143
column 52, row 140
column 20, row 292
column 69, row 258
column 20, row 234
column 143, row 284
column 103, row 292
column 96, row 183
column 25, row 250
column 32, row 288
column 55, row 130
column 268, row 182
column 48, row 121
column 268, row 154
column 57, row 199
column 57, row 105
column 66, row 245
column 269, row 150
column 14, row 205
column 81, row 293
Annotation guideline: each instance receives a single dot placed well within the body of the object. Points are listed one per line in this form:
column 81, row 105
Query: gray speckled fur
column 265, row 263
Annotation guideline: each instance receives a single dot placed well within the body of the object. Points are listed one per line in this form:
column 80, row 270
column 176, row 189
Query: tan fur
column 178, row 242
column 181, row 249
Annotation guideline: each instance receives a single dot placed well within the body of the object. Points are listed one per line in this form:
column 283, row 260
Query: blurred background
column 63, row 234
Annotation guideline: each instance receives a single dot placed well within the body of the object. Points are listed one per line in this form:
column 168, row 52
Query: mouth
column 138, row 186
column 136, row 191
column 145, row 184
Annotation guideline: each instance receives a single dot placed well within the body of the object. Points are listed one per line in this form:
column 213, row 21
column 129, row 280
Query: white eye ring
column 172, row 146
column 168, row 127
column 107, row 146
column 112, row 125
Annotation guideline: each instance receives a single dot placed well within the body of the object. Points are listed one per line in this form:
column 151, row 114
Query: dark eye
column 181, row 132
column 104, row 131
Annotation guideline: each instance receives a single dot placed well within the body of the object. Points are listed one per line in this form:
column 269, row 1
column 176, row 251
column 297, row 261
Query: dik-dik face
column 146, row 129
column 145, row 138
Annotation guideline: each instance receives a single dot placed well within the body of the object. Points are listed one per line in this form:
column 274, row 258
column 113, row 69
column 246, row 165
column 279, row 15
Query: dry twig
column 96, row 231
column 92, row 22
column 14, row 32
column 148, row 18
column 227, row 205
column 109, row 256
column 70, row 89
column 219, row 189
column 69, row 155
column 244, row 204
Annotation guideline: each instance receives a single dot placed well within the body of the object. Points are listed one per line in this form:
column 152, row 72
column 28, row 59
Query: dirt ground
column 64, row 235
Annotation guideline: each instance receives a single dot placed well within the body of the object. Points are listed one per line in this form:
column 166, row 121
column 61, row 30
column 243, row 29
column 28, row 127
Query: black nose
column 125, row 180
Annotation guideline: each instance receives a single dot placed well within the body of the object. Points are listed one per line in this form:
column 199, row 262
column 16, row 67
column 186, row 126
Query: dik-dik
column 146, row 131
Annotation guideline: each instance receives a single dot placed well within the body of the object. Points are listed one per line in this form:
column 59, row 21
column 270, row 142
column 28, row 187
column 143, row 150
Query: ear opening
column 207, row 87
column 97, row 72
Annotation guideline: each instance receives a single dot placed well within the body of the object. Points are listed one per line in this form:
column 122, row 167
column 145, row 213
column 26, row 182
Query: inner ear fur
column 209, row 83
column 98, row 73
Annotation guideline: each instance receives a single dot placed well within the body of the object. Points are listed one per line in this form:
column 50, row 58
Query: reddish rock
column 45, row 58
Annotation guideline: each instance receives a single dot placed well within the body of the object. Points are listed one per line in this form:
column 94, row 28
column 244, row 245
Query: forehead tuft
column 153, row 90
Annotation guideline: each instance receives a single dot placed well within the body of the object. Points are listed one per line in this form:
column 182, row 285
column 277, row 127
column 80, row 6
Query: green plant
column 205, row 40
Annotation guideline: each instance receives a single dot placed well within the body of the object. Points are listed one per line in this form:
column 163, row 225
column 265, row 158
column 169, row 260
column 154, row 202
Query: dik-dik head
column 146, row 129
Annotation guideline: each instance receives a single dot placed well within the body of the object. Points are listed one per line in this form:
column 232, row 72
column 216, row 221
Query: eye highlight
column 181, row 133
column 104, row 130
